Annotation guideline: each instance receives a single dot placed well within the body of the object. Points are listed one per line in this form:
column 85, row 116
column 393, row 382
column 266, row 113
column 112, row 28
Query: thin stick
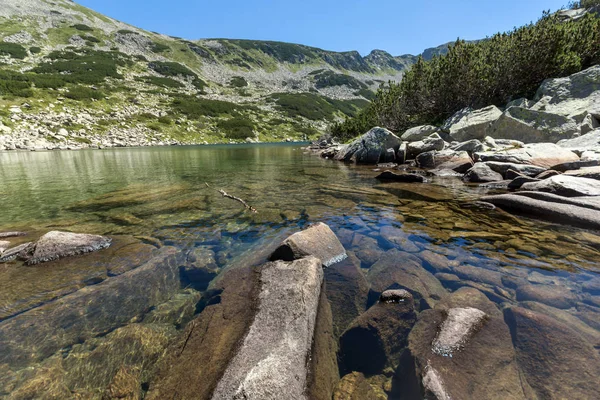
column 246, row 205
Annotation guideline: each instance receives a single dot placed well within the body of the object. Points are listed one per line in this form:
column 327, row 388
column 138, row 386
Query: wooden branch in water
column 225, row 194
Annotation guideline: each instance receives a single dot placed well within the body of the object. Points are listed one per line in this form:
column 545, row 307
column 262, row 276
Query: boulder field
column 548, row 145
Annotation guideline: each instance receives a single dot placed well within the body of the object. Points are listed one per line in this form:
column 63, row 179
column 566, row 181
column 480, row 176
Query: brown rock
column 354, row 386
column 318, row 240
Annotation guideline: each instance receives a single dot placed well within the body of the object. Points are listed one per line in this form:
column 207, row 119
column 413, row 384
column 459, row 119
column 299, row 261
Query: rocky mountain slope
column 71, row 77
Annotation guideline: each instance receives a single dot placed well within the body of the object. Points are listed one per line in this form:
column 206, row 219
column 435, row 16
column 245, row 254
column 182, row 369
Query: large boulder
column 318, row 240
column 271, row 362
column 370, row 148
column 433, row 142
column 376, row 339
column 575, row 95
column 418, row 133
column 556, row 360
column 566, row 185
column 470, row 124
column 532, row 126
column 463, row 350
column 480, row 173
column 540, row 154
column 54, row 245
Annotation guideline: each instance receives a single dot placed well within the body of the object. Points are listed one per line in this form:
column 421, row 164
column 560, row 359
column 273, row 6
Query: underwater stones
column 354, row 386
column 553, row 295
column 398, row 238
column 570, row 366
column 196, row 360
column 271, row 362
column 376, row 338
column 200, row 268
column 400, row 270
column 55, row 244
column 479, row 274
column 91, row 311
column 484, row 367
column 434, row 262
column 408, row 178
column 317, row 240
column 456, row 330
column 366, row 249
column 433, row 385
column 347, row 290
column 481, row 172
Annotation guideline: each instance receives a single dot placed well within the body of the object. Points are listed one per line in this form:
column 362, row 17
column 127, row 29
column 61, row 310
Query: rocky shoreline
column 547, row 151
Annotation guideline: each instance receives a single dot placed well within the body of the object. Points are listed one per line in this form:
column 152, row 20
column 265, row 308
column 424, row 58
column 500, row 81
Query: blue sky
column 397, row 26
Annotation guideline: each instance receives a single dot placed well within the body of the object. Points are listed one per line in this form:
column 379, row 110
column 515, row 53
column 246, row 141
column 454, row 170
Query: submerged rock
column 555, row 296
column 54, row 245
column 355, row 386
column 376, row 339
column 484, row 368
column 318, row 240
column 557, row 361
column 271, row 362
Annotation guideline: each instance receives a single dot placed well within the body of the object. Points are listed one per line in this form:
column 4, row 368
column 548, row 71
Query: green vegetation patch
column 160, row 81
column 237, row 128
column 91, row 38
column 82, row 27
column 315, row 107
column 282, row 52
column 167, row 68
column 13, row 50
column 35, row 50
column 195, row 108
column 159, row 47
column 126, row 32
column 87, row 66
column 238, row 82
column 83, row 93
column 330, row 79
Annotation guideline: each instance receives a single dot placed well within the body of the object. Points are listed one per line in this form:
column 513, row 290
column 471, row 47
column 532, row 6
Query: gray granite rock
column 55, row 244
column 480, row 172
column 565, row 185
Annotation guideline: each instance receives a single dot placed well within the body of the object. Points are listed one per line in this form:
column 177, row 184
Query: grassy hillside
column 67, row 67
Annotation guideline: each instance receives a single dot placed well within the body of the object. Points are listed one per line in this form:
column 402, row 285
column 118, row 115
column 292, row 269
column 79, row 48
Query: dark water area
column 152, row 199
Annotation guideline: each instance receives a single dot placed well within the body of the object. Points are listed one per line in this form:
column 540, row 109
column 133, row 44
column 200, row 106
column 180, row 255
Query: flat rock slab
column 409, row 178
column 4, row 235
column 586, row 172
column 541, row 154
column 318, row 241
column 565, row 185
column 54, row 245
column 556, row 212
column 272, row 361
column 457, row 329
column 92, row 311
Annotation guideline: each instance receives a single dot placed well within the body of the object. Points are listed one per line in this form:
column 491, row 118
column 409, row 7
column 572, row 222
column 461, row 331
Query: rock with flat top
column 271, row 361
column 534, row 126
column 395, row 296
column 370, row 148
column 392, row 176
column 480, row 172
column 468, row 124
column 430, row 143
column 539, row 154
column 318, row 240
column 4, row 235
column 55, row 244
column 565, row 185
column 587, row 172
column 524, row 169
column 418, row 133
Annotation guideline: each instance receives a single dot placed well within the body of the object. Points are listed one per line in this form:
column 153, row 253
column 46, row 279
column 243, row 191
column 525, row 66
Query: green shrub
column 82, row 27
column 236, row 128
column 331, row 79
column 83, row 93
column 194, row 107
column 126, row 32
column 167, row 68
column 89, row 66
column 366, row 93
column 165, row 120
column 155, row 126
column 493, row 71
column 91, row 38
column 35, row 50
column 159, row 81
column 13, row 50
column 238, row 82
column 315, row 107
column 159, row 48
